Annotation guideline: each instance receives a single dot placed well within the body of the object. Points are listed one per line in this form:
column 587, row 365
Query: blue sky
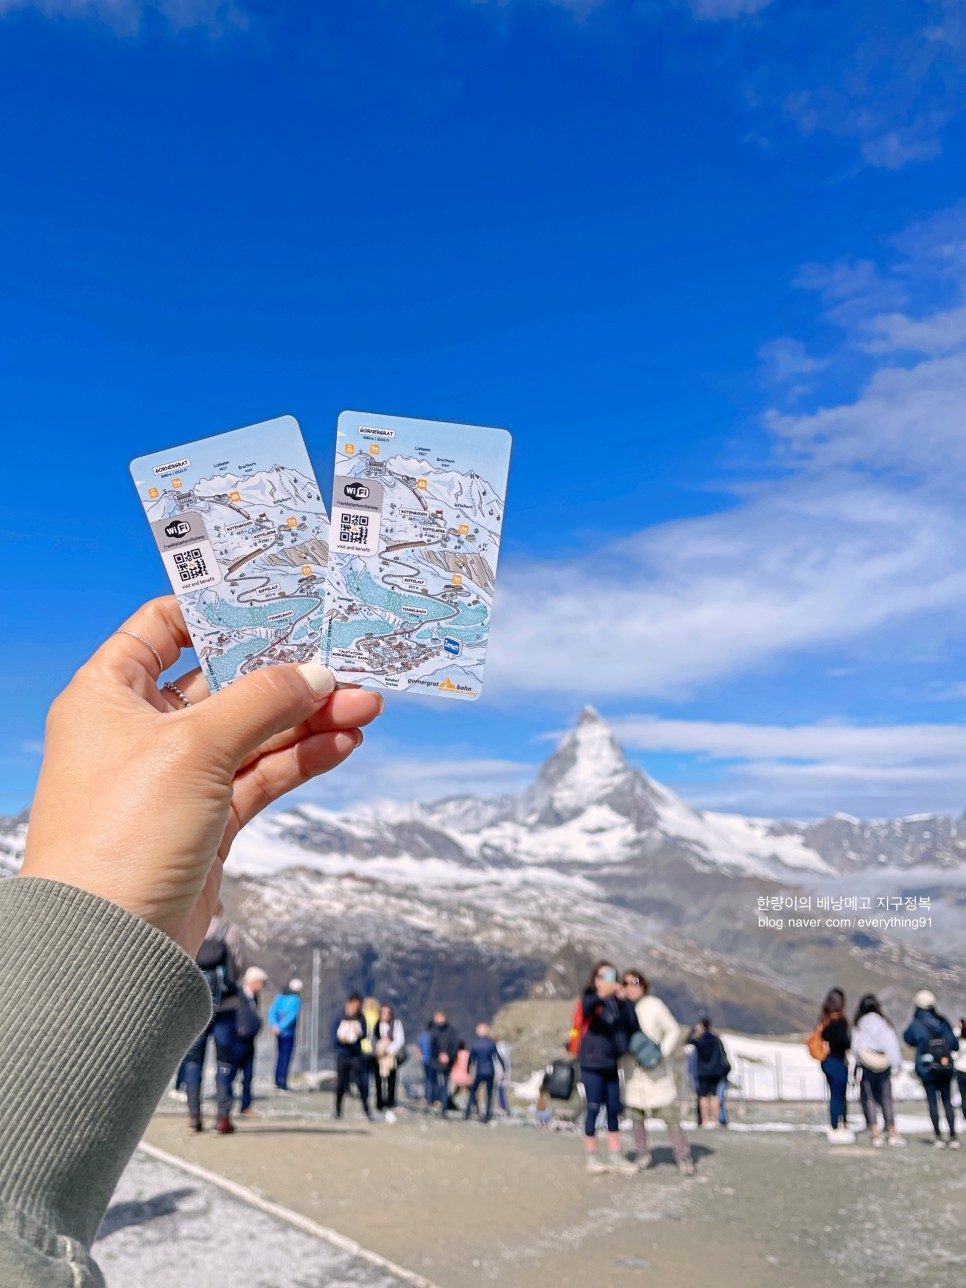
column 706, row 260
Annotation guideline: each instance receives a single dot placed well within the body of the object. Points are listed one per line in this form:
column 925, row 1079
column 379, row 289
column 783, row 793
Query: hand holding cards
column 396, row 595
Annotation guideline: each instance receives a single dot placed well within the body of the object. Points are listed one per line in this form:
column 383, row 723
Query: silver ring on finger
column 135, row 636
column 174, row 689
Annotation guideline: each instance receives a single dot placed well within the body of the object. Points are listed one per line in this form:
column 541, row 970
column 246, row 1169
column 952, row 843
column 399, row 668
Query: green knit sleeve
column 96, row 1010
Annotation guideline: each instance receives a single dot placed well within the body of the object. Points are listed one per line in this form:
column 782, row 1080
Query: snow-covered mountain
column 474, row 901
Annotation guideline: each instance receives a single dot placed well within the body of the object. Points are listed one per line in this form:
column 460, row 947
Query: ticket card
column 243, row 533
column 417, row 517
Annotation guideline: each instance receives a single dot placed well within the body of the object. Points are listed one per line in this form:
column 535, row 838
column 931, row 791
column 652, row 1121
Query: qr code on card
column 353, row 529
column 190, row 565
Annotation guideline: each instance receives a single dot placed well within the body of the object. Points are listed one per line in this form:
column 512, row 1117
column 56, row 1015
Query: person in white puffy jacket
column 652, row 1093
column 875, row 1047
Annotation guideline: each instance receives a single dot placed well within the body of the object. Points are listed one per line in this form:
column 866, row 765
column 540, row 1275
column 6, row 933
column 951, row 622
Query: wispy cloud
column 128, row 17
column 860, row 536
column 403, row 776
column 811, row 770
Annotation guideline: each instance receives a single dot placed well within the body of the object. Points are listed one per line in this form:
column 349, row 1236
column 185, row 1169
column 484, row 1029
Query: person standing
column 283, row 1018
column 425, row 1044
column 835, row 1033
column 221, row 960
column 370, row 1010
column 711, row 1068
column 651, row 1092
column 348, row 1031
column 607, row 1019
column 388, row 1041
column 247, row 1024
column 959, row 1065
column 935, row 1044
column 483, row 1060
column 503, row 1076
column 444, row 1043
column 875, row 1049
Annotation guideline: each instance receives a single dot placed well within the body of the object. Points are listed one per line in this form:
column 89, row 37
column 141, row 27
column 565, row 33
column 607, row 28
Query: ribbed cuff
column 96, row 1009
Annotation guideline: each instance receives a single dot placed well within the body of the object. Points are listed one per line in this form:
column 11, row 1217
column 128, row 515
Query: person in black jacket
column 608, row 1021
column 444, row 1043
column 348, row 1030
column 837, row 1037
column 711, row 1068
column 247, row 1024
column 484, row 1057
column 935, row 1042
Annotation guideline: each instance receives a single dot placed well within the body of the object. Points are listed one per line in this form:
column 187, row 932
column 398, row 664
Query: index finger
column 156, row 631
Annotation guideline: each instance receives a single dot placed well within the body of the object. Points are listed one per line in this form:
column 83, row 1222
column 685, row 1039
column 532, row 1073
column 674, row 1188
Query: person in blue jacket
column 935, row 1043
column 484, row 1057
column 283, row 1016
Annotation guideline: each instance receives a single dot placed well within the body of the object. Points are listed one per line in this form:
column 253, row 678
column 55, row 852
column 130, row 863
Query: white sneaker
column 897, row 1140
column 710, row 1126
column 841, row 1136
column 618, row 1163
column 596, row 1165
column 390, row 1117
column 878, row 1142
column 939, row 1143
column 954, row 1143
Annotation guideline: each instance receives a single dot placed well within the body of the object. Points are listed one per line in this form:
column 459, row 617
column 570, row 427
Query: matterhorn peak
column 587, row 769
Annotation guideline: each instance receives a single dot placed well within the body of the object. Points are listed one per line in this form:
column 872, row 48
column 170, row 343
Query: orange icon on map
column 374, row 449
column 152, row 492
column 350, row 449
column 176, row 483
column 421, row 484
column 464, row 529
column 457, row 579
column 234, row 496
column 292, row 521
column 306, row 570
column 448, row 685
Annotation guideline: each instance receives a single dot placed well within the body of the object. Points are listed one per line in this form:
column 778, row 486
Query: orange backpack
column 578, row 1027
column 817, row 1046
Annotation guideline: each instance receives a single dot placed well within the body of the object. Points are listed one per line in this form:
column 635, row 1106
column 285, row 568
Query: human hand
column 140, row 797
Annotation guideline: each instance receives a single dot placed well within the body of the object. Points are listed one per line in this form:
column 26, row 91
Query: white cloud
column 127, row 17
column 405, row 775
column 805, row 564
column 813, row 770
column 786, row 359
column 720, row 10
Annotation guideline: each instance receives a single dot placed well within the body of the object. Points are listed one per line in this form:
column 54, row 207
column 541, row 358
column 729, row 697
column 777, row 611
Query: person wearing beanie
column 935, row 1043
column 282, row 1020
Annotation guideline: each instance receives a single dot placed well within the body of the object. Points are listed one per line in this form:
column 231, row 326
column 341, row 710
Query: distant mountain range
column 472, row 902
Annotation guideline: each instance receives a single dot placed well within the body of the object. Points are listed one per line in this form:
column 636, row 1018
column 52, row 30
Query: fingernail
column 318, row 677
column 347, row 740
column 382, row 703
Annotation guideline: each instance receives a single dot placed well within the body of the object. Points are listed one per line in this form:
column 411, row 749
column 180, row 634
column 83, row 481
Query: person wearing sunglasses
column 608, row 1019
column 650, row 1091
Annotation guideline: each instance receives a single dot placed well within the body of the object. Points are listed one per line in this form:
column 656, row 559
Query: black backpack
column 214, row 962
column 561, row 1077
column 938, row 1052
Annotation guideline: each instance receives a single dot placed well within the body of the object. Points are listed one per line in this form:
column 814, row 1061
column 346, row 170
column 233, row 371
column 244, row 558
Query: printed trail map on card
column 417, row 516
column 243, row 534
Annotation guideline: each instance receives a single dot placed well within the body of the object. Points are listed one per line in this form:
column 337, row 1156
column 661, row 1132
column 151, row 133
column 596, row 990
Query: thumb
column 265, row 702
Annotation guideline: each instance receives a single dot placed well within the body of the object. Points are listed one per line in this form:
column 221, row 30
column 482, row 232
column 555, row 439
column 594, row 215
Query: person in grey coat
column 140, row 797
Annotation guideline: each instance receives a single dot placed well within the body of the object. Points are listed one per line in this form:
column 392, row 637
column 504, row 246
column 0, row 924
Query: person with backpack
column 875, row 1049
column 483, row 1060
column 935, row 1044
column 283, row 1018
column 389, row 1046
column 649, row 1087
column 829, row 1043
column 349, row 1028
column 711, row 1066
column 247, row 1024
column 221, row 960
column 603, row 1020
column 444, row 1046
column 959, row 1066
